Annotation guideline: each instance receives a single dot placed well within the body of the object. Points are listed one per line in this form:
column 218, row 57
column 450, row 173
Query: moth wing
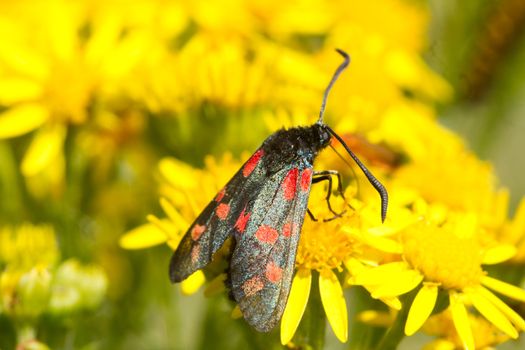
column 262, row 264
column 217, row 221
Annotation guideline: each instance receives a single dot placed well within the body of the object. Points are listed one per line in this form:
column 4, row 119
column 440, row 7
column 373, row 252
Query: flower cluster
column 447, row 217
column 34, row 282
column 94, row 93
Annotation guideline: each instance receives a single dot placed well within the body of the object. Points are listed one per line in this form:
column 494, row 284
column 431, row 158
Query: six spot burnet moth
column 262, row 208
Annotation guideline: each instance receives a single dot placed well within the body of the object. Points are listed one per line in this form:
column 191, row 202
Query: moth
column 262, row 208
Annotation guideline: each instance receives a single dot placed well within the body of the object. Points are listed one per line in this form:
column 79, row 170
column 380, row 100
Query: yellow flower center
column 324, row 245
column 68, row 90
column 443, row 256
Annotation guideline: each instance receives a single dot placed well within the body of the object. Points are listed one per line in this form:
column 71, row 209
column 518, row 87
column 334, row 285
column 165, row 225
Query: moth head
column 323, row 134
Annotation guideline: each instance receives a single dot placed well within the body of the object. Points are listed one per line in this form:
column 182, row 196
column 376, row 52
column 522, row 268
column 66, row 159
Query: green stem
column 10, row 182
column 396, row 332
column 362, row 335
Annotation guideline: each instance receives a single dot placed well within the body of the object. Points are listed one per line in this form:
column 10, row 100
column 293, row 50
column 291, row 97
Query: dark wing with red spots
column 262, row 264
column 218, row 220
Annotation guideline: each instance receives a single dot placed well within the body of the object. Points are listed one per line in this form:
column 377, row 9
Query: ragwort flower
column 324, row 247
column 441, row 326
column 513, row 232
column 485, row 334
column 185, row 193
column 327, row 249
column 32, row 281
column 48, row 81
column 445, row 253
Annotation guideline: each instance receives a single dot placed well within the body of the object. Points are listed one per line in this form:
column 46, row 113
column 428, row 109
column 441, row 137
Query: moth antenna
column 371, row 178
column 343, row 159
column 349, row 165
column 339, row 70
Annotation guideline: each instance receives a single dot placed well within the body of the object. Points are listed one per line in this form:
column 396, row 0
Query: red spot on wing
column 252, row 286
column 290, row 183
column 195, row 253
column 220, row 195
column 222, row 210
column 273, row 272
column 242, row 221
column 252, row 163
column 266, row 234
column 197, row 231
column 306, row 179
column 289, row 229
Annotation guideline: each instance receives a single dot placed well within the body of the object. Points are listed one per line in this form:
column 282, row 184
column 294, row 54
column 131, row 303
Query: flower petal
column 24, row 60
column 192, row 284
column 398, row 284
column 299, row 294
column 498, row 254
column 102, row 39
column 144, row 236
column 173, row 170
column 421, row 307
column 491, row 313
column 394, row 303
column 170, row 231
column 378, row 275
column 50, row 180
column 16, row 90
column 334, row 304
column 504, row 288
column 354, row 267
column 22, row 119
column 461, row 322
column 126, row 54
column 174, row 214
column 384, row 244
column 374, row 239
column 44, row 148
column 512, row 315
column 517, row 226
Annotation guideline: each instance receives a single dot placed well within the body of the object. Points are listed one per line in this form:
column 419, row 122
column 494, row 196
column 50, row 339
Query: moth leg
column 311, row 215
column 326, row 175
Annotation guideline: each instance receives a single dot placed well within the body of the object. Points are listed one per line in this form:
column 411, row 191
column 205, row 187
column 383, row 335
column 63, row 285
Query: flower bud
column 33, row 292
column 77, row 287
column 32, row 345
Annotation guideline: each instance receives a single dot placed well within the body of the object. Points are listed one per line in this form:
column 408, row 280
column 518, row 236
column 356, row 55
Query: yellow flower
column 27, row 253
column 406, row 128
column 386, row 60
column 231, row 74
column 185, row 192
column 28, row 245
column 323, row 247
column 48, row 81
column 329, row 248
column 445, row 253
column 469, row 182
column 32, row 282
column 441, row 325
column 513, row 232
column 486, row 336
column 262, row 55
